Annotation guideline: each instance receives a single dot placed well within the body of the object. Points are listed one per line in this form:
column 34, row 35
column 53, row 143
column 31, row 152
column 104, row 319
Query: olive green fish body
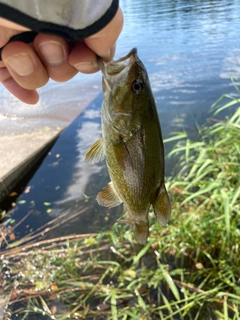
column 132, row 145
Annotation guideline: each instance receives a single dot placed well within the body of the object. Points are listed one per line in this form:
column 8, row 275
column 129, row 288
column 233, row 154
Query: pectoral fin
column 96, row 152
column 162, row 206
column 108, row 197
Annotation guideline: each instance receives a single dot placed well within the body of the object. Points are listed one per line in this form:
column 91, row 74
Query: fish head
column 125, row 82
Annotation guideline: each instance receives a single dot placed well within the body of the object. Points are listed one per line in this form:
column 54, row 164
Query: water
column 191, row 50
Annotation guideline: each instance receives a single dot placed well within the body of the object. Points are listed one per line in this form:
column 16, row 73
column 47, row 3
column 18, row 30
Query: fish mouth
column 116, row 71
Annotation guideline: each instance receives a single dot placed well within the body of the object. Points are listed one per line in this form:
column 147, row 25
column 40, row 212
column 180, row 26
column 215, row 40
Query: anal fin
column 96, row 152
column 108, row 197
column 162, row 206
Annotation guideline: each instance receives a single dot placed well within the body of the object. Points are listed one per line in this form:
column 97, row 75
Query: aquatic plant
column 187, row 270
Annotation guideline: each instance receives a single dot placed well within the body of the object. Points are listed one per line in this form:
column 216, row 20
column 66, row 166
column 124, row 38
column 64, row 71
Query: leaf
column 21, row 201
column 46, row 203
column 226, row 212
column 171, row 283
column 39, row 285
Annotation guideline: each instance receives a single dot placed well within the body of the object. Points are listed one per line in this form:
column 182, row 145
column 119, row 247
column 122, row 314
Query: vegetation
column 187, row 270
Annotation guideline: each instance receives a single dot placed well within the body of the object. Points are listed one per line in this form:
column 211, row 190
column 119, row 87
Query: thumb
column 103, row 42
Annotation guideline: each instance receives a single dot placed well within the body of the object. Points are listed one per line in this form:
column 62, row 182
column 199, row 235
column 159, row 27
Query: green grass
column 187, row 270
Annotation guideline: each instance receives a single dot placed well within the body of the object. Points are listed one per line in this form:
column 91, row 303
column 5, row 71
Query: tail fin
column 141, row 232
column 140, row 227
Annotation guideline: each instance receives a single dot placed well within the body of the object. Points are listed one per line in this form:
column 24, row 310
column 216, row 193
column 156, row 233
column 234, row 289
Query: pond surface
column 191, row 50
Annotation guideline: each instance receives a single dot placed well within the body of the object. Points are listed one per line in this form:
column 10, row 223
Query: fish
column 131, row 145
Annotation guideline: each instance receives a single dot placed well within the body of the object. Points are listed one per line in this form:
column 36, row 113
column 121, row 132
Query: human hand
column 26, row 67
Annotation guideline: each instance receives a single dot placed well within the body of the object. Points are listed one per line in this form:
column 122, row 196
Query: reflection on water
column 59, row 104
column 65, row 184
column 188, row 47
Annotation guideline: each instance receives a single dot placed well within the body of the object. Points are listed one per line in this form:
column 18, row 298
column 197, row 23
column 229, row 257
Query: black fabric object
column 26, row 37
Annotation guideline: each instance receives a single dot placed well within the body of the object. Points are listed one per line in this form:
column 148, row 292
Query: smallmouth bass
column 132, row 145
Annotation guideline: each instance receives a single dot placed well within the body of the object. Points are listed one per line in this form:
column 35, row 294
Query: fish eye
column 137, row 86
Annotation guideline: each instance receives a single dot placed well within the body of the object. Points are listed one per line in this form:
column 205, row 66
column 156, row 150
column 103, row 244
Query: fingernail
column 108, row 56
column 86, row 66
column 21, row 63
column 53, row 52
